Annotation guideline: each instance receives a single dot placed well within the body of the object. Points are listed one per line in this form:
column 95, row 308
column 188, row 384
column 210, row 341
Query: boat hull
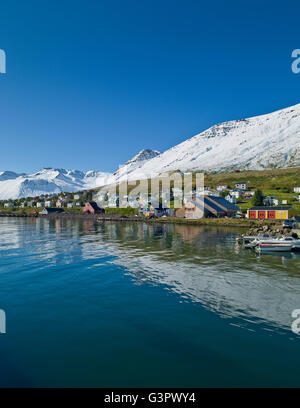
column 272, row 247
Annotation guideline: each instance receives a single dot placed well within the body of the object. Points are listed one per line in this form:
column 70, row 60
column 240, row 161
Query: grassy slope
column 277, row 182
column 272, row 181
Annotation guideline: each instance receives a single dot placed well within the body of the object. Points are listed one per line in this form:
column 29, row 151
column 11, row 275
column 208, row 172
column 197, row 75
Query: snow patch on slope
column 9, row 175
column 261, row 142
column 135, row 163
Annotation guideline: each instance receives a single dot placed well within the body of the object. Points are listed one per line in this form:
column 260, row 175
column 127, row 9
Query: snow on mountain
column 94, row 179
column 9, row 175
column 261, row 142
column 135, row 163
column 47, row 181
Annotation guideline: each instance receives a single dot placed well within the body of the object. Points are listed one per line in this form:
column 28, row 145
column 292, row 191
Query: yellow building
column 271, row 213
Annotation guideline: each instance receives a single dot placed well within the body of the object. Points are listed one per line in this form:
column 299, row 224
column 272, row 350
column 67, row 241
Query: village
column 237, row 202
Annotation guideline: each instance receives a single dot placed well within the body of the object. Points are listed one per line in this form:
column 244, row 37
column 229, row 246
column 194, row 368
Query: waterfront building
column 271, row 213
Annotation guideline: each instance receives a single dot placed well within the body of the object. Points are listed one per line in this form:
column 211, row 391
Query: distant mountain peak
column 49, row 181
column 9, row 175
column 145, row 154
column 137, row 161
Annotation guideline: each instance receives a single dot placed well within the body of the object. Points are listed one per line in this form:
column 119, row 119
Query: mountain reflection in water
column 200, row 264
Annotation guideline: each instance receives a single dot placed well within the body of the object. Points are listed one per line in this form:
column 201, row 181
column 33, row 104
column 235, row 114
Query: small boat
column 245, row 239
column 295, row 243
column 275, row 245
column 256, row 240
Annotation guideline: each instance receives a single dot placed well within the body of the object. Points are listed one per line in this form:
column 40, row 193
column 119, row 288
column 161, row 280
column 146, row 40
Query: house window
column 261, row 214
column 271, row 215
column 252, row 214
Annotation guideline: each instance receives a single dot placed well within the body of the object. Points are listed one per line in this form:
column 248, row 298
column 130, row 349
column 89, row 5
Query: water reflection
column 200, row 264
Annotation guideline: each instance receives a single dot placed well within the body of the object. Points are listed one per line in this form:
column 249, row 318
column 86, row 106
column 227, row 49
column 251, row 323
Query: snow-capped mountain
column 47, row 181
column 9, row 175
column 257, row 143
column 135, row 163
column 261, row 142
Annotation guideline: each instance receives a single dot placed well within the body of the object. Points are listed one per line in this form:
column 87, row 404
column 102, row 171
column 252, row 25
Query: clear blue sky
column 90, row 83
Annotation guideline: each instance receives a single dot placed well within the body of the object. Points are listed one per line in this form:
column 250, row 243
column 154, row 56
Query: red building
column 271, row 213
column 92, row 208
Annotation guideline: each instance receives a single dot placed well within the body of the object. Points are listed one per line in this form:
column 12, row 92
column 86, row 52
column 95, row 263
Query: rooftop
column 262, row 208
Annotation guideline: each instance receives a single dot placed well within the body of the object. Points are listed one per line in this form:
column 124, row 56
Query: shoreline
column 217, row 222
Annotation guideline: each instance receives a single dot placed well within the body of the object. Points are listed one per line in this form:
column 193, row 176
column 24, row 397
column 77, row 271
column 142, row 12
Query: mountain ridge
column 49, row 181
column 262, row 142
column 135, row 163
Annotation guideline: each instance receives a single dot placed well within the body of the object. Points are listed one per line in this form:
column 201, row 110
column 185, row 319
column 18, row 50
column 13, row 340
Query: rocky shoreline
column 273, row 230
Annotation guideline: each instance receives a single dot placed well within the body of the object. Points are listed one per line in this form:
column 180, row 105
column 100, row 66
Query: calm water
column 136, row 305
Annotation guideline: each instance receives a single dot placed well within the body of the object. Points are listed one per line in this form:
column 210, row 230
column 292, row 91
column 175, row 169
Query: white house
column 77, row 196
column 133, row 202
column 222, row 187
column 143, row 201
column 296, row 189
column 248, row 194
column 206, row 192
column 62, row 202
column 8, row 205
column 176, row 192
column 237, row 192
column 113, row 200
column 243, row 185
column 231, row 198
column 39, row 204
column 270, row 200
column 71, row 204
column 48, row 203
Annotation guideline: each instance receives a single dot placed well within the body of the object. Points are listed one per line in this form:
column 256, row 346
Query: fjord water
column 133, row 304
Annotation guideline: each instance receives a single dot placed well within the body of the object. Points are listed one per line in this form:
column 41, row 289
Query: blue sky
column 90, row 83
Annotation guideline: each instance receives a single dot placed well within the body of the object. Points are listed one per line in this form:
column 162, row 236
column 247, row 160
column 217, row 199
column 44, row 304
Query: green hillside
column 276, row 182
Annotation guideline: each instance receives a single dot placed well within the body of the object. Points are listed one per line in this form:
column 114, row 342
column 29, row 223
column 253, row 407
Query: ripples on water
column 115, row 276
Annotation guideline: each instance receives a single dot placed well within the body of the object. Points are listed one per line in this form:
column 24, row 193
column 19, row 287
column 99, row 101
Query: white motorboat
column 256, row 240
column 266, row 242
column 275, row 245
column 295, row 243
